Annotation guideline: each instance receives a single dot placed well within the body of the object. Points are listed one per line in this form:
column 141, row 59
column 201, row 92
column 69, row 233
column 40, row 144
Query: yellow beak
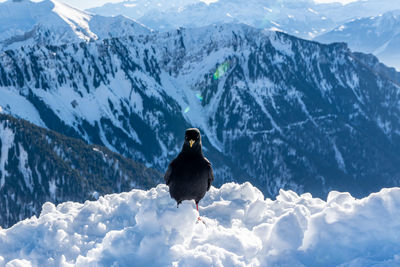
column 191, row 142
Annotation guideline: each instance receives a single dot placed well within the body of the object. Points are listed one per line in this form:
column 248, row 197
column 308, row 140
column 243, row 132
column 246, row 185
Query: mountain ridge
column 304, row 19
column 50, row 22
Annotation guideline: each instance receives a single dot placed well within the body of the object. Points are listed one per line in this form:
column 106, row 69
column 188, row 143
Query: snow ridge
column 50, row 22
column 242, row 228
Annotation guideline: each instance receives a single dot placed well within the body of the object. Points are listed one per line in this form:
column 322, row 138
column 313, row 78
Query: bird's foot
column 200, row 220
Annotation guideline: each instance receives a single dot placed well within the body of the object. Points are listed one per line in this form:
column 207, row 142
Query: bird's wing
column 210, row 174
column 167, row 175
column 210, row 178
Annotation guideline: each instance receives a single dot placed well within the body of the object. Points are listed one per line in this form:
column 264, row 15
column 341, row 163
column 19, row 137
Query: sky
column 84, row 4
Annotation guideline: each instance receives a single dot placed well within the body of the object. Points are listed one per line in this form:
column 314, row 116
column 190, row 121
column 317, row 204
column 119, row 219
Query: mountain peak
column 51, row 22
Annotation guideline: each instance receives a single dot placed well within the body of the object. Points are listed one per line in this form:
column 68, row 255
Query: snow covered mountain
column 139, row 8
column 38, row 165
column 53, row 23
column 279, row 111
column 294, row 17
column 139, row 228
column 379, row 35
column 304, row 18
column 357, row 9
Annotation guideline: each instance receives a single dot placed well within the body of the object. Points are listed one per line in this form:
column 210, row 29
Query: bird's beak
column 191, row 142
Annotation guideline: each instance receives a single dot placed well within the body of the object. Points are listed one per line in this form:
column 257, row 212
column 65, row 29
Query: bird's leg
column 198, row 219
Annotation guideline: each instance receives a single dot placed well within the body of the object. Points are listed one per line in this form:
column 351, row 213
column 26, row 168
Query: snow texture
column 242, row 228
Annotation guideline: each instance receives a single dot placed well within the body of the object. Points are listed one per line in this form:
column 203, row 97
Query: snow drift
column 242, row 228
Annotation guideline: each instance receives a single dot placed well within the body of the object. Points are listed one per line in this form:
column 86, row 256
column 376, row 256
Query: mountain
column 357, row 9
column 296, row 18
column 275, row 110
column 305, row 18
column 139, row 8
column 50, row 22
column 379, row 35
column 242, row 228
column 38, row 165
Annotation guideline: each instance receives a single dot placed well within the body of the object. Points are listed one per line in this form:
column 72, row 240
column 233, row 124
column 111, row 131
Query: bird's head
column 192, row 140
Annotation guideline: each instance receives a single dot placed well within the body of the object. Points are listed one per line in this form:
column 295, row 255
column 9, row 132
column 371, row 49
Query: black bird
column 189, row 175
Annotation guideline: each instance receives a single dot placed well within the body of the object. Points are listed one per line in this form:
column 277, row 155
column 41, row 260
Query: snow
column 281, row 44
column 51, row 22
column 76, row 19
column 339, row 157
column 208, row 2
column 377, row 34
column 52, row 189
column 11, row 102
column 130, row 5
column 242, row 228
column 24, row 167
column 7, row 140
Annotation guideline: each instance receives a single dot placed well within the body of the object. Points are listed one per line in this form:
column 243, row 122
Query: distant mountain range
column 379, row 35
column 50, row 22
column 276, row 110
column 303, row 18
column 38, row 165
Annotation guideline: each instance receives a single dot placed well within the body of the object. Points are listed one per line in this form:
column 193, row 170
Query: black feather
column 189, row 175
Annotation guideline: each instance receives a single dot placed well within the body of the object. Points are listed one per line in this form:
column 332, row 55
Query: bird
column 190, row 174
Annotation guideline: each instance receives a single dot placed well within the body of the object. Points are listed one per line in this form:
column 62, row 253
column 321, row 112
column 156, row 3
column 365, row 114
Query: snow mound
column 242, row 228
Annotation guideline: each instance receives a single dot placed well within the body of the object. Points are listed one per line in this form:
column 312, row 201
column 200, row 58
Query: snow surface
column 242, row 228
column 11, row 102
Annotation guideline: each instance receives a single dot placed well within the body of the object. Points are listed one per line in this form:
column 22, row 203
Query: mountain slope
column 374, row 63
column 139, row 228
column 38, row 165
column 277, row 110
column 51, row 22
column 379, row 35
